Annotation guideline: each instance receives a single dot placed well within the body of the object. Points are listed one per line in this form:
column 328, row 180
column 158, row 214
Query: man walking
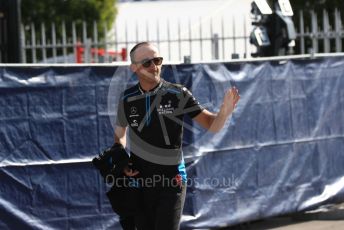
column 152, row 111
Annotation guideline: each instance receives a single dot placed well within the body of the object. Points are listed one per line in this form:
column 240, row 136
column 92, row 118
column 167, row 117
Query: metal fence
column 325, row 39
column 183, row 43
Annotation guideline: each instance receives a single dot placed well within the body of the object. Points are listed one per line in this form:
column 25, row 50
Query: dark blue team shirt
column 155, row 122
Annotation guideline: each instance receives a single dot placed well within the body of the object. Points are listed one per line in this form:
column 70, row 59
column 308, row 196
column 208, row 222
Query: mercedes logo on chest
column 133, row 110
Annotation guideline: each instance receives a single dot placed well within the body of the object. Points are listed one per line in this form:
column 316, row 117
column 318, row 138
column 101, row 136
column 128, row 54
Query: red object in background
column 124, row 54
column 79, row 52
column 115, row 55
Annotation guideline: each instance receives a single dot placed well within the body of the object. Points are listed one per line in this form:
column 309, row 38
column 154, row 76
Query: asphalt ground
column 324, row 218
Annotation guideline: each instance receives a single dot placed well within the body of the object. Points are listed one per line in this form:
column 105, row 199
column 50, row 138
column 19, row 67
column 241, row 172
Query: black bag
column 111, row 161
column 125, row 196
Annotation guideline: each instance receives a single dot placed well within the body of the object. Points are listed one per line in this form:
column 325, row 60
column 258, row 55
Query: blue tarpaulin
column 282, row 151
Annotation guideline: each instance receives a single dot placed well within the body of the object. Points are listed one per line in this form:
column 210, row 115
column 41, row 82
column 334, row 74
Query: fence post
column 157, row 33
column 136, row 32
column 215, row 46
column 106, row 55
column 116, row 36
column 200, row 38
column 326, row 32
column 234, row 54
column 33, row 43
column 126, row 36
column 190, row 39
column 246, row 54
column 22, row 42
column 168, row 39
column 95, row 41
column 75, row 44
column 223, row 38
column 64, row 42
column 53, row 31
column 338, row 28
column 147, row 30
column 314, row 32
column 44, row 42
column 302, row 33
column 88, row 51
column 212, row 39
column 179, row 42
column 86, row 43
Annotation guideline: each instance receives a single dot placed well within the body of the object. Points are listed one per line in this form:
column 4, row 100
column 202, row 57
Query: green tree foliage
column 57, row 11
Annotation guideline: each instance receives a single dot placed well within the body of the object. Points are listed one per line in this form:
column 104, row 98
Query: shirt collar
column 154, row 90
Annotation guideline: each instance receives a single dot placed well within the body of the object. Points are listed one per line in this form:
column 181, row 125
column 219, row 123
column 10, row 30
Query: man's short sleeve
column 121, row 118
column 192, row 107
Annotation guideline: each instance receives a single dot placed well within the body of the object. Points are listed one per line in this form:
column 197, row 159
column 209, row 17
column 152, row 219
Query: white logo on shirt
column 134, row 123
column 165, row 109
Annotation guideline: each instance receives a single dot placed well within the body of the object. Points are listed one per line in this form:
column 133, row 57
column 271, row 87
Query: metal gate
column 40, row 45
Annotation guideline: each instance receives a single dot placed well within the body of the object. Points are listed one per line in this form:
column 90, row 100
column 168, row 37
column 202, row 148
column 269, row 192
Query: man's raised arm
column 214, row 122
